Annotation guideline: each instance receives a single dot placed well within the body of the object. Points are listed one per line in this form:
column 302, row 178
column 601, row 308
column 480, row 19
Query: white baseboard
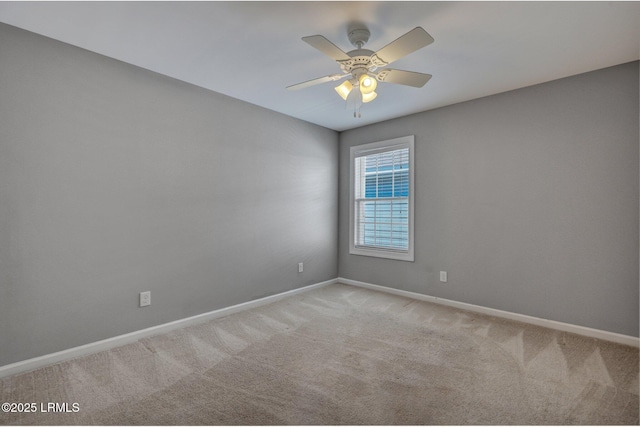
column 72, row 353
column 83, row 350
column 552, row 324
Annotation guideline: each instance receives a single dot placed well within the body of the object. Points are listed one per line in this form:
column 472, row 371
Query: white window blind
column 382, row 199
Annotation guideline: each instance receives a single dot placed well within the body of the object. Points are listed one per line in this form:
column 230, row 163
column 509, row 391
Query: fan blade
column 326, row 47
column 404, row 45
column 332, row 77
column 408, row 78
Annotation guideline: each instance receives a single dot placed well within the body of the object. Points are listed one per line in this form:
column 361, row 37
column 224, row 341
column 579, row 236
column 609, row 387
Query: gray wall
column 529, row 199
column 116, row 180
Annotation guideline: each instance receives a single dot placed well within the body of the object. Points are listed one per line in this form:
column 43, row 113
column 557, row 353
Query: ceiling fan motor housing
column 360, row 60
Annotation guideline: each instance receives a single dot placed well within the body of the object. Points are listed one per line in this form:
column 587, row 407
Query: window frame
column 362, row 150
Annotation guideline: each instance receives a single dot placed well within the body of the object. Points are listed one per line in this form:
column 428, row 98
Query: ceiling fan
column 361, row 65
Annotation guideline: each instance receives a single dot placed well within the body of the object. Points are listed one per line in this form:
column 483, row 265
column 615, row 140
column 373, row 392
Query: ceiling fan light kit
column 367, row 97
column 367, row 84
column 344, row 89
column 362, row 65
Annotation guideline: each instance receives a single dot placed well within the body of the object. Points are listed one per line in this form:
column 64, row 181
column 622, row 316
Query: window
column 381, row 199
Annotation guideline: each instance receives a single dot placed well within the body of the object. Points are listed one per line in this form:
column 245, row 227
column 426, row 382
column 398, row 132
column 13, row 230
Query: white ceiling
column 252, row 50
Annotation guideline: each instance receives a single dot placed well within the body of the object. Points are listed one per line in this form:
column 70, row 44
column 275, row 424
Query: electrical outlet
column 145, row 298
column 443, row 276
column 300, row 267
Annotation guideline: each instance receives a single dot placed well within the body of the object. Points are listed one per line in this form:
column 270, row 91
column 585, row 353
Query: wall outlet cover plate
column 145, row 298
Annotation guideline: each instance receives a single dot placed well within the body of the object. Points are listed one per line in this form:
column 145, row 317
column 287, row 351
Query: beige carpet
column 342, row 355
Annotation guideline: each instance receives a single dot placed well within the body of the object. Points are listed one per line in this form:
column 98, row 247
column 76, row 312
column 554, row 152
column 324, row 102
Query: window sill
column 381, row 253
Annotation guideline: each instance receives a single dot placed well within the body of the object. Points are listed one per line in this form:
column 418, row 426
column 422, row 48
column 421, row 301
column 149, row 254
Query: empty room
column 319, row 213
